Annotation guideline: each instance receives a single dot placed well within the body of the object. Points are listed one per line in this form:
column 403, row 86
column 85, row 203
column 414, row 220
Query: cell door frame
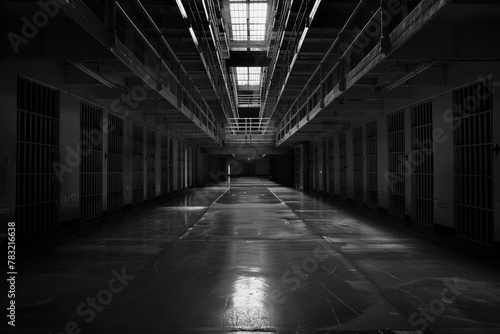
column 138, row 161
column 470, row 145
column 331, row 165
column 358, row 164
column 40, row 162
column 343, row 182
column 325, row 166
column 297, row 167
column 397, row 141
column 371, row 164
column 112, row 143
column 174, row 164
column 93, row 160
column 150, row 163
column 496, row 166
column 422, row 163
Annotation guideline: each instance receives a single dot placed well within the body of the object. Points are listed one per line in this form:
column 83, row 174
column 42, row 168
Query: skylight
column 248, row 76
column 248, row 20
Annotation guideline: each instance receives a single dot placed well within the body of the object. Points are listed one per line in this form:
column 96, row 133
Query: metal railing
column 248, row 126
column 248, row 100
column 273, row 83
column 164, row 70
column 246, row 131
column 329, row 78
column 214, row 58
column 280, row 12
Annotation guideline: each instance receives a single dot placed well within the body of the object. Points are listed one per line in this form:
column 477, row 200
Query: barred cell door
column 38, row 169
column 174, row 172
column 91, row 165
column 474, row 161
column 422, row 162
column 164, row 165
column 324, row 168
column 192, row 165
column 189, row 166
column 358, row 159
column 115, row 164
column 151, row 164
column 312, row 161
column 331, row 165
column 299, row 167
column 372, row 165
column 343, row 165
column 186, row 166
column 137, row 165
column 397, row 158
column 316, row 166
column 180, row 165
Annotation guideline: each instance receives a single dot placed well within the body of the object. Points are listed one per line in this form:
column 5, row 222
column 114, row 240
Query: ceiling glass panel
column 248, row 76
column 248, row 20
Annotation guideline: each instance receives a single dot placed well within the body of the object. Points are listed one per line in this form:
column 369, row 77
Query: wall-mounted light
column 407, row 76
column 302, row 38
column 193, row 36
column 213, row 36
column 206, row 10
column 314, row 9
column 202, row 57
column 91, row 72
column 293, row 60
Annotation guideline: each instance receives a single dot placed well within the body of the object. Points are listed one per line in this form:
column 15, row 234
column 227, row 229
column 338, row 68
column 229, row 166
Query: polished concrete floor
column 256, row 257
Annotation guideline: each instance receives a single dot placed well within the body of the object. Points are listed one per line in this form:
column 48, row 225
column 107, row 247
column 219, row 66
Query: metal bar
column 138, row 31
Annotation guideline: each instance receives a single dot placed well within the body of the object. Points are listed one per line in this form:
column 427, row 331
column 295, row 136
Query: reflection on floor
column 256, row 256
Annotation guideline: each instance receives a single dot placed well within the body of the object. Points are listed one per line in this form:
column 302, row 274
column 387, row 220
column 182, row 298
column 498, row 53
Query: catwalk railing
column 347, row 61
column 213, row 46
column 151, row 58
column 249, row 126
